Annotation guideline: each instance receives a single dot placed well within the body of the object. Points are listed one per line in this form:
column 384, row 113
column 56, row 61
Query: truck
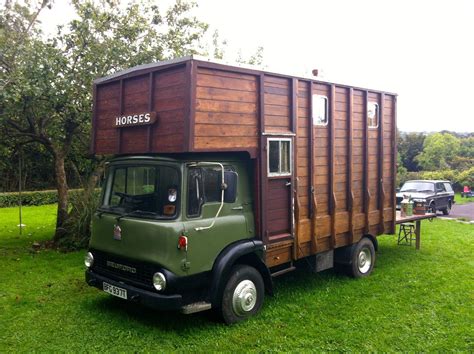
column 223, row 177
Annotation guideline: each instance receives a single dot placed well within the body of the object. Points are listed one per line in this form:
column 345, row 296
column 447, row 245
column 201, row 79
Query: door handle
column 288, row 184
column 238, row 208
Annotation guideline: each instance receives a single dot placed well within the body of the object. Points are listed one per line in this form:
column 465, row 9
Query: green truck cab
column 221, row 178
column 167, row 230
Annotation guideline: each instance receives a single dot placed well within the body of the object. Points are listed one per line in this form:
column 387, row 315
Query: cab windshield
column 144, row 191
column 417, row 187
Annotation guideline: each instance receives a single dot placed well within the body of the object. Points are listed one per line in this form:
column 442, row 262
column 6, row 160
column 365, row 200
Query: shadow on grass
column 301, row 282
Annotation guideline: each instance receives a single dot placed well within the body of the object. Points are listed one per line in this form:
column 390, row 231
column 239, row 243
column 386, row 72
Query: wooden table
column 417, row 219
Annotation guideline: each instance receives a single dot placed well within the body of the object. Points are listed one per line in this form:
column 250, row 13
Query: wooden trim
column 394, row 164
column 313, row 205
column 144, row 72
column 332, row 167
column 294, row 105
column 350, row 164
column 295, row 203
column 263, row 159
column 149, row 129
column 381, row 196
column 94, row 120
column 119, row 131
column 366, row 163
column 189, row 83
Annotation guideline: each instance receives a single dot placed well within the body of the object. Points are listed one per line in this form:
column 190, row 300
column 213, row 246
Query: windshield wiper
column 408, row 190
column 134, row 212
column 426, row 190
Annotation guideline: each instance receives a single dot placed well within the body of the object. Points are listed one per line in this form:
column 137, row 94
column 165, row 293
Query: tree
column 439, row 150
column 45, row 84
column 409, row 146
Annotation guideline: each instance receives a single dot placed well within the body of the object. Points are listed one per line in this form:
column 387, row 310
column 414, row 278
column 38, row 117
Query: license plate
column 114, row 290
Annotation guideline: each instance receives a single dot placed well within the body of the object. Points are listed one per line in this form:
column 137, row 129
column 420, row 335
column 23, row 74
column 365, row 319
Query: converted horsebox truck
column 223, row 177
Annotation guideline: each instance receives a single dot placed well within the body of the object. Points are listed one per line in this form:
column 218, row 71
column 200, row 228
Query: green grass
column 414, row 301
column 459, row 200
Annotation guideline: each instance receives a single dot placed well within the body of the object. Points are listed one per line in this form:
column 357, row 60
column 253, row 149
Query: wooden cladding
column 345, row 180
column 343, row 176
column 226, row 111
column 162, row 93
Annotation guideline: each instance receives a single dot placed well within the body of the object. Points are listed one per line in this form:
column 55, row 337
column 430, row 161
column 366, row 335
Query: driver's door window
column 195, row 192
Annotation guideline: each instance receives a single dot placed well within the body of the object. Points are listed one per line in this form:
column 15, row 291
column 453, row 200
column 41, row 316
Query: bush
column 466, row 178
column 34, row 197
column 78, row 225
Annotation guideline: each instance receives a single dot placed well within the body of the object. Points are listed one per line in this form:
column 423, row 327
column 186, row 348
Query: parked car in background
column 437, row 195
column 467, row 192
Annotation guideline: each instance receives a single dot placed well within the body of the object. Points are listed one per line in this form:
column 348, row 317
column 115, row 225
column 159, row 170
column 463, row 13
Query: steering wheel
column 123, row 196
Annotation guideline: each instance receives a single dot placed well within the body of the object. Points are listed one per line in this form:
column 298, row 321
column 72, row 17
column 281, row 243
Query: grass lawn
column 459, row 200
column 414, row 301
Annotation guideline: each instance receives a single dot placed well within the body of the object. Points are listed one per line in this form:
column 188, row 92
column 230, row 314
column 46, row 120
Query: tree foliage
column 45, row 83
column 439, row 150
column 409, row 146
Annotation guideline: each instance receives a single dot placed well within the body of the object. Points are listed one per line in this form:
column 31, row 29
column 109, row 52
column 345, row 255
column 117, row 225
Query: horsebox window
column 279, row 157
column 372, row 115
column 320, row 110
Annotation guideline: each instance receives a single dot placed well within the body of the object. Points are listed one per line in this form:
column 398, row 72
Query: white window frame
column 315, row 97
column 377, row 114
column 279, row 174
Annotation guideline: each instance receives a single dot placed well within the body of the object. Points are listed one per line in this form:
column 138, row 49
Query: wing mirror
column 230, row 186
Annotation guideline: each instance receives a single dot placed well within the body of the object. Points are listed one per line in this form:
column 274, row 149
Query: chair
column 406, row 233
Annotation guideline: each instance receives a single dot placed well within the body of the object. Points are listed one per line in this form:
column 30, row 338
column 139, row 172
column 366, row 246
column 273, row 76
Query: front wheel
column 432, row 208
column 363, row 259
column 243, row 294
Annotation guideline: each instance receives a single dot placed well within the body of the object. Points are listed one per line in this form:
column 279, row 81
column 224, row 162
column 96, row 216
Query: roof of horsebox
column 257, row 69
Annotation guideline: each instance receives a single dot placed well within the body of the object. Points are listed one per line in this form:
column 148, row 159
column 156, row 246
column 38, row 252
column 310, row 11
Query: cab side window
column 195, row 192
column 204, row 186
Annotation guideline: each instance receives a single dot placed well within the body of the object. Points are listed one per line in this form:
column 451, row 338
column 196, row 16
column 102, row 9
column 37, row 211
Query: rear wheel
column 243, row 294
column 363, row 259
column 447, row 210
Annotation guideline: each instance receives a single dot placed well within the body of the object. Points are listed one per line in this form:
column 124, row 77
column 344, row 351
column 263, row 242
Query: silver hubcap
column 365, row 260
column 244, row 297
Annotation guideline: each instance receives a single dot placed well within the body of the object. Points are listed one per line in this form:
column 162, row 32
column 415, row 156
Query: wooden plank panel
column 225, row 106
column 225, row 130
column 243, row 84
column 225, row 142
column 219, row 118
column 227, row 94
column 225, row 73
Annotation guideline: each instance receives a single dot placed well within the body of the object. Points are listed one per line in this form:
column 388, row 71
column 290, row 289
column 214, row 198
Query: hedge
column 34, row 197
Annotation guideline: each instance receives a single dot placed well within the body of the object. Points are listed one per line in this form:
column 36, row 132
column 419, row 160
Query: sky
column 421, row 50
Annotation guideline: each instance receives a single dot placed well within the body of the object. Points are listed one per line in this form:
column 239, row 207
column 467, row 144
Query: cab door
column 207, row 234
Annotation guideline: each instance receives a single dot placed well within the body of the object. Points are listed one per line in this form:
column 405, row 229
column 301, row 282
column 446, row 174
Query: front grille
column 143, row 277
column 399, row 200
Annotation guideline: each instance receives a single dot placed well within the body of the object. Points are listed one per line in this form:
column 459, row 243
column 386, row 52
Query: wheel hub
column 364, row 260
column 244, row 297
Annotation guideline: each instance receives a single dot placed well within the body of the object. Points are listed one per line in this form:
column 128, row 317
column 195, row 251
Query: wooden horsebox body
column 342, row 181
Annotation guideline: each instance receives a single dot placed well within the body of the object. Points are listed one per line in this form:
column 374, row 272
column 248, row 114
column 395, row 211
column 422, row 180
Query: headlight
column 159, row 281
column 89, row 260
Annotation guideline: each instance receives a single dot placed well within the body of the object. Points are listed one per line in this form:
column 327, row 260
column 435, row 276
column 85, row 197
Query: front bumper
column 145, row 297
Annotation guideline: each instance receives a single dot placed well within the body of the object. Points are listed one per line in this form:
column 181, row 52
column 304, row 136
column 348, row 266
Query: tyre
column 432, row 208
column 243, row 294
column 447, row 210
column 363, row 259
